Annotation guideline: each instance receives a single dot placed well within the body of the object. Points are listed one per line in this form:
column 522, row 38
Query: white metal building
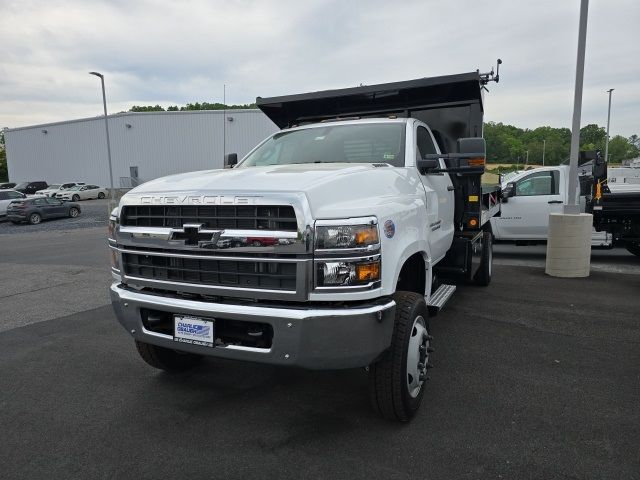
column 144, row 146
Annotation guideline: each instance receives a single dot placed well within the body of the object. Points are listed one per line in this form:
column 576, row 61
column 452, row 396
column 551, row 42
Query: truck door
column 525, row 216
column 440, row 199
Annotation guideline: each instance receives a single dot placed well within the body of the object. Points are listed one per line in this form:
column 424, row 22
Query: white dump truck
column 328, row 246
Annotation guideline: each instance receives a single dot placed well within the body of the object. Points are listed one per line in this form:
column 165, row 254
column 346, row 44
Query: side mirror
column 425, row 165
column 508, row 191
column 230, row 160
column 472, row 146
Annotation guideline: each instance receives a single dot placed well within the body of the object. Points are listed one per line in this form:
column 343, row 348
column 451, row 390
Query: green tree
column 621, row 149
column 4, row 172
column 592, row 137
column 147, row 108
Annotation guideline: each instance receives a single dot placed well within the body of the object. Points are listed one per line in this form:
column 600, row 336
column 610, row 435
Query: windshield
column 77, row 187
column 22, row 185
column 364, row 143
column 53, row 187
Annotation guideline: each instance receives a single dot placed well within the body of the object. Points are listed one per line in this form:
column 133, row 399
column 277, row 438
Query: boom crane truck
column 328, row 246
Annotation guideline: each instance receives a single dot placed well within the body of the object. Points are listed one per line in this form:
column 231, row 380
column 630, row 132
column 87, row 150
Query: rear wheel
column 633, row 247
column 101, row 195
column 74, row 212
column 35, row 218
column 483, row 276
column 166, row 358
column 397, row 379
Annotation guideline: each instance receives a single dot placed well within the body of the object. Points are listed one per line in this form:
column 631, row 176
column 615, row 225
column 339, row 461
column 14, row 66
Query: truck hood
column 327, row 186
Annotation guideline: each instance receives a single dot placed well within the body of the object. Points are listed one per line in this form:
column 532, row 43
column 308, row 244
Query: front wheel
column 35, row 218
column 167, row 359
column 633, row 247
column 75, row 197
column 397, row 379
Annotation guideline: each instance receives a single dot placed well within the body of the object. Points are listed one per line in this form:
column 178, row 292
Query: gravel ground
column 94, row 214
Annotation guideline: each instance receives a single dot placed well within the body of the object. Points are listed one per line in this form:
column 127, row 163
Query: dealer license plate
column 193, row 330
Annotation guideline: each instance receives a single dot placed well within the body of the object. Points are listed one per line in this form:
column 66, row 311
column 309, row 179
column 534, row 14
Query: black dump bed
column 451, row 105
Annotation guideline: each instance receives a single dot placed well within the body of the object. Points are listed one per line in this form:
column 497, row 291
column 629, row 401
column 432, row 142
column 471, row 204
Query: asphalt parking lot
column 535, row 377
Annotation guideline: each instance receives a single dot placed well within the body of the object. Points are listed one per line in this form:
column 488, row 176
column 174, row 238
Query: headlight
column 329, row 237
column 114, row 260
column 347, row 253
column 113, row 223
column 345, row 273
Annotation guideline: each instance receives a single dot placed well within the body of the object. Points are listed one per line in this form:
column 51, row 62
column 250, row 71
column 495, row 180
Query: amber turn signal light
column 367, row 236
column 368, row 271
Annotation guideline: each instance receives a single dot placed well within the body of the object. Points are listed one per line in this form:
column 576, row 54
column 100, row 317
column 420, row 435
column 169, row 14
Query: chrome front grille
column 242, row 217
column 258, row 251
column 246, row 274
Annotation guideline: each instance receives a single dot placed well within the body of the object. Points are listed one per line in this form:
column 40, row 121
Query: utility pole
column 572, row 202
column 106, row 128
column 526, row 163
column 606, row 145
column 544, row 148
column 224, row 122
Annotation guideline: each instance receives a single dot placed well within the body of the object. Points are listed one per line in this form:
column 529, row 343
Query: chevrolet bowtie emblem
column 196, row 235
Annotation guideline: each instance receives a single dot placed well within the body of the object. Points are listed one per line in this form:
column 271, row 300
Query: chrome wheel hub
column 417, row 356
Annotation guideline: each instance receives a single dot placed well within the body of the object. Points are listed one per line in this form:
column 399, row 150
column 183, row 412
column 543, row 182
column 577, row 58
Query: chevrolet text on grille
column 198, row 200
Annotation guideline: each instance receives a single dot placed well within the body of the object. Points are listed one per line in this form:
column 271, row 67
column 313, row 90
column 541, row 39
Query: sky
column 174, row 52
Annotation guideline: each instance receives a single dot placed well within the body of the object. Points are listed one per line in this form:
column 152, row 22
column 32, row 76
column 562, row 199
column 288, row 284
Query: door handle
column 555, row 201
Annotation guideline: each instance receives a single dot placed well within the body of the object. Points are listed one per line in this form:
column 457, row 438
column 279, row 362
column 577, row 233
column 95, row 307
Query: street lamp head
column 610, row 90
column 97, row 74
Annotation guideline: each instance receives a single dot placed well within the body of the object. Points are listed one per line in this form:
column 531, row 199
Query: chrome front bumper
column 314, row 338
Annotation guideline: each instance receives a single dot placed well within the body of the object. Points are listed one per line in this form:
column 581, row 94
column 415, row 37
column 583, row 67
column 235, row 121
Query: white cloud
column 170, row 52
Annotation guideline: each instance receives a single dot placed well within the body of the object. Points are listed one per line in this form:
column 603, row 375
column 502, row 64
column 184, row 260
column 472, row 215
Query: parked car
column 6, row 197
column 82, row 192
column 52, row 190
column 7, row 185
column 29, row 188
column 34, row 210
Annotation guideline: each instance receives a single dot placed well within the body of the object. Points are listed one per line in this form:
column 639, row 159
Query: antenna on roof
column 490, row 76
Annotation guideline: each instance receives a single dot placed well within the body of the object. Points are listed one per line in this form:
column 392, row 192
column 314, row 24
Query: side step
column 439, row 298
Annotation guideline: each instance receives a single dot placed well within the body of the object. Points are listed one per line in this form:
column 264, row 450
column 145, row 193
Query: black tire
column 483, row 275
column 74, row 212
column 35, row 218
column 633, row 247
column 389, row 377
column 167, row 359
column 100, row 195
column 75, row 197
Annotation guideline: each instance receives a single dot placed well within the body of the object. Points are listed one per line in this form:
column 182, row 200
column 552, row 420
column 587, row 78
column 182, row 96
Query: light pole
column 572, row 200
column 606, row 144
column 544, row 148
column 106, row 127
